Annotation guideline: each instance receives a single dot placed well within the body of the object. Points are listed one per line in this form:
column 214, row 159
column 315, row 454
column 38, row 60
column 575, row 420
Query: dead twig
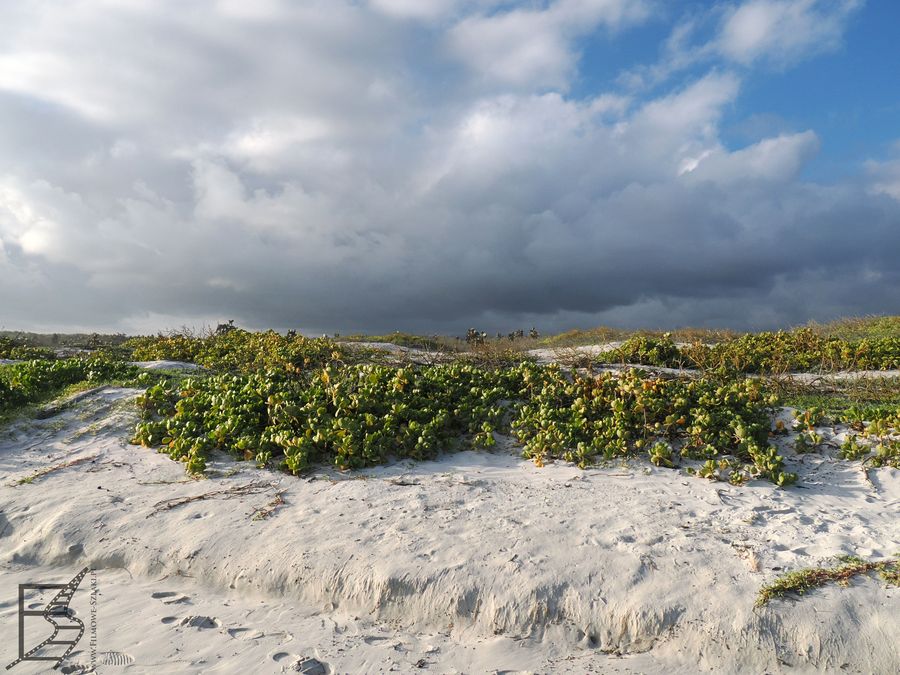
column 56, row 467
column 166, row 482
column 270, row 508
column 238, row 490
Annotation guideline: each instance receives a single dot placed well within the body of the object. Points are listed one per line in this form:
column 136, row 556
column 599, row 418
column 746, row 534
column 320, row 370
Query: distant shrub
column 17, row 350
column 237, row 350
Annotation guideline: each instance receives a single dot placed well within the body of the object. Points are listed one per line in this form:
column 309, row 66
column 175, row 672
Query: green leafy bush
column 348, row 415
column 876, row 441
column 649, row 351
column 582, row 418
column 16, row 350
column 360, row 415
column 24, row 383
column 770, row 353
column 802, row 350
column 237, row 350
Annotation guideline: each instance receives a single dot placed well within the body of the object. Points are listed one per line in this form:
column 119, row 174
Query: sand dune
column 474, row 562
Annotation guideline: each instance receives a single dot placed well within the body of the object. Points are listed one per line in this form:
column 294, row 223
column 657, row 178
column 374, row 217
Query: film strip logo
column 66, row 626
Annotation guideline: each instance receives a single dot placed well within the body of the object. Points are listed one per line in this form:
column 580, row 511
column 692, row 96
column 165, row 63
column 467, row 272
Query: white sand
column 475, row 563
column 166, row 365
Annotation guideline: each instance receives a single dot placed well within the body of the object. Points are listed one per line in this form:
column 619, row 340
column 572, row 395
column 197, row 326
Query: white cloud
column 783, row 31
column 535, row 47
column 885, row 177
column 777, row 159
column 416, row 9
column 776, row 33
column 321, row 165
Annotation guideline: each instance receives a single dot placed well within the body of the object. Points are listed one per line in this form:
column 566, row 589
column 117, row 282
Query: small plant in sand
column 883, row 442
column 723, row 469
column 807, row 441
column 802, row 581
column 661, row 454
column 810, row 418
column 650, row 351
column 852, row 449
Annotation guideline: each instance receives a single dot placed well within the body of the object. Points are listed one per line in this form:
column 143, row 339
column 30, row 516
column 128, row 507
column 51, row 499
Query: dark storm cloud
column 347, row 167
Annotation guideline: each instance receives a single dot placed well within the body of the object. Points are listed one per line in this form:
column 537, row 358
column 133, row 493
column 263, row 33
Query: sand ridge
column 549, row 569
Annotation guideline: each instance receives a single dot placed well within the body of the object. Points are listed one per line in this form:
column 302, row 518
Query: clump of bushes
column 355, row 415
column 611, row 415
column 768, row 353
column 25, row 383
column 649, row 351
column 236, row 350
column 19, row 351
column 875, row 441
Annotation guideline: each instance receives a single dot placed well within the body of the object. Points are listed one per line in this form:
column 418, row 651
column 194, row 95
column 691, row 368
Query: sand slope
column 474, row 562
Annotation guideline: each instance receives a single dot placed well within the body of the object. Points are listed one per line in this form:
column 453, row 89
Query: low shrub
column 355, row 415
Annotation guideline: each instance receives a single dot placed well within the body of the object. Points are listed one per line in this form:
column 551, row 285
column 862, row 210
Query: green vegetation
column 858, row 328
column 801, row 581
column 349, row 415
column 289, row 401
column 581, row 418
column 30, row 382
column 604, row 334
column 237, row 350
column 843, row 400
column 64, row 340
column 849, row 329
column 884, row 444
column 649, row 351
column 849, row 344
column 355, row 415
column 801, row 350
column 20, row 351
column 870, row 407
column 436, row 343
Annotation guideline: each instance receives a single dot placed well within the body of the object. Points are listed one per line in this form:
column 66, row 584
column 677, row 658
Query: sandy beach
column 449, row 336
column 475, row 562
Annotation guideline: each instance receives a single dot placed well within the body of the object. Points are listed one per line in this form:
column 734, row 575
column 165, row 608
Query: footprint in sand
column 303, row 664
column 245, row 633
column 170, row 597
column 169, row 619
column 200, row 622
column 311, row 666
column 115, row 658
column 374, row 639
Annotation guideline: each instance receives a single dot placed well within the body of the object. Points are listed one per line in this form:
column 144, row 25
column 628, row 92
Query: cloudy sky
column 426, row 165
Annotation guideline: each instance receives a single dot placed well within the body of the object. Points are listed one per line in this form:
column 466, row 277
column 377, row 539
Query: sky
column 430, row 165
